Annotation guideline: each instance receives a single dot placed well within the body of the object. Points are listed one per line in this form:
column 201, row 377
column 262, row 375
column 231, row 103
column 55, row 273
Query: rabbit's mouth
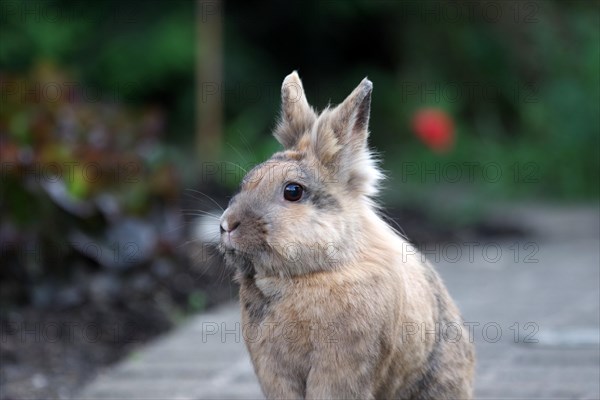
column 236, row 243
column 239, row 261
column 227, row 241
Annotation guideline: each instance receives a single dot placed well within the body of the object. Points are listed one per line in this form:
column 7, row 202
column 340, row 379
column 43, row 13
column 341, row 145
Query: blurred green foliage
column 142, row 50
column 520, row 79
column 92, row 100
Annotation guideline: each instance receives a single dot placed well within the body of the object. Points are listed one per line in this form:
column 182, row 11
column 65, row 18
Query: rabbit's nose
column 226, row 227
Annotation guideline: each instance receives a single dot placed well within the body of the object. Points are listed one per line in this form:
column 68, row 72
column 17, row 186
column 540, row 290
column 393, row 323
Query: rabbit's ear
column 351, row 118
column 340, row 140
column 297, row 116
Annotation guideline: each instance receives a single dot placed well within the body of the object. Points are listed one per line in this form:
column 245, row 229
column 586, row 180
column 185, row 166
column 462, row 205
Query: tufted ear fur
column 339, row 141
column 297, row 117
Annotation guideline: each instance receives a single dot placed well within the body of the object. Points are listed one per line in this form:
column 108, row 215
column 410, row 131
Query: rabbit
column 333, row 305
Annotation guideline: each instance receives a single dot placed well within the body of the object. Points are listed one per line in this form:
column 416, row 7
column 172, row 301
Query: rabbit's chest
column 277, row 331
column 285, row 312
column 278, row 302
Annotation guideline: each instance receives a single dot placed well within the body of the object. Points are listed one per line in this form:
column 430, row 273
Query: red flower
column 435, row 128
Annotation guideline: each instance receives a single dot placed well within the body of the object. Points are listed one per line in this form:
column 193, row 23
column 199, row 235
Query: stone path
column 203, row 359
column 532, row 304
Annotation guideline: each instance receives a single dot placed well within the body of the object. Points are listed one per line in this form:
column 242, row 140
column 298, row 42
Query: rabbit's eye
column 293, row 192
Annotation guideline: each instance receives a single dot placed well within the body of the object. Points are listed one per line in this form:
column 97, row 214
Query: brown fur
column 330, row 298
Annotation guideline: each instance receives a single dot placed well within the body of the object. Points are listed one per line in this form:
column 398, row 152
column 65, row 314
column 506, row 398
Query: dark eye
column 293, row 192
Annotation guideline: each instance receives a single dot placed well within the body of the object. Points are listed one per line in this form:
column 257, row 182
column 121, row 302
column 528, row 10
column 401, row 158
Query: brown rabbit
column 333, row 304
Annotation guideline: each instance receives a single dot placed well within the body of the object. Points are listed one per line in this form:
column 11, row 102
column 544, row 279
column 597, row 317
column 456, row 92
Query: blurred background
column 121, row 122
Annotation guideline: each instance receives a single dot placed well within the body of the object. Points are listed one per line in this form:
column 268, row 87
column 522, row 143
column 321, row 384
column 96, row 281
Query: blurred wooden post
column 209, row 79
